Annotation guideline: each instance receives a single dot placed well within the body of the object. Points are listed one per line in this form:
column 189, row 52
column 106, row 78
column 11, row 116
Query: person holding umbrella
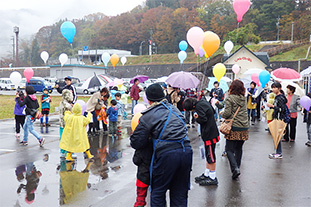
column 279, row 113
column 135, row 94
column 68, row 86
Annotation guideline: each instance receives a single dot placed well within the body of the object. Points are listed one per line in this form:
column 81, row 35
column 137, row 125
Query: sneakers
column 17, row 135
column 188, row 125
column 193, row 125
column 292, row 140
column 23, row 143
column 200, row 178
column 208, row 181
column 275, row 156
column 308, row 143
column 41, row 141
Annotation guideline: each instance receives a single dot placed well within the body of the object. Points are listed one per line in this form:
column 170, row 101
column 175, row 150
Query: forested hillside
column 168, row 21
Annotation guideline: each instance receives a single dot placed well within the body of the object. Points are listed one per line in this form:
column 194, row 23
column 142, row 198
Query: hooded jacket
column 209, row 130
column 65, row 105
column 74, row 138
column 232, row 102
column 30, row 101
column 279, row 107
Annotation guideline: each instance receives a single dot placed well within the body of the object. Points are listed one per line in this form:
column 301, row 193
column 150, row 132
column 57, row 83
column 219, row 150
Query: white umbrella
column 306, row 71
column 253, row 70
column 299, row 91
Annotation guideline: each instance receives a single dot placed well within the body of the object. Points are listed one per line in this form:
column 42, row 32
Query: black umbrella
column 94, row 82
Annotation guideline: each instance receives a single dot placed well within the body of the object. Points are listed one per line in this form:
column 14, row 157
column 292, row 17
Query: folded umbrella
column 183, row 80
column 277, row 128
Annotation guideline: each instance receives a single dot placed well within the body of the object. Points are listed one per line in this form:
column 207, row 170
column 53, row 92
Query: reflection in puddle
column 32, row 176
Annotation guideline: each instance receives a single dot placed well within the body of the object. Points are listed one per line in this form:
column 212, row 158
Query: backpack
column 287, row 115
column 168, row 96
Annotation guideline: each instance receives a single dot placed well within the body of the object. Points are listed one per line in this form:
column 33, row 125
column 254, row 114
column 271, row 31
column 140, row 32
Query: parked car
column 6, row 84
column 81, row 89
column 61, row 81
column 21, row 84
column 39, row 84
column 51, row 81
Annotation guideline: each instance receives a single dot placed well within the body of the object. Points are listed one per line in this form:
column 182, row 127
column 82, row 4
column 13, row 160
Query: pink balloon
column 241, row 7
column 28, row 73
column 236, row 68
column 195, row 36
column 139, row 108
column 201, row 52
column 255, row 78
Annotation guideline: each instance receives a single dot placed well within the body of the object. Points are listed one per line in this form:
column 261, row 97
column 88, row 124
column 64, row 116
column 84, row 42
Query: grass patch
column 7, row 104
column 292, row 55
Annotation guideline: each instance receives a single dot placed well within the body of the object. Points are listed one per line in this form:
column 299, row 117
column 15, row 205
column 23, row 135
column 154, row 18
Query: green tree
column 243, row 35
column 35, row 56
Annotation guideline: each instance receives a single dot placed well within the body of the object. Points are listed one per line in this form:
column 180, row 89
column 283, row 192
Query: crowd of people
column 163, row 152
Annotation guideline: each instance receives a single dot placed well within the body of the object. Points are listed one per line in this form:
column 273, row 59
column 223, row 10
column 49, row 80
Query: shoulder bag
column 226, row 125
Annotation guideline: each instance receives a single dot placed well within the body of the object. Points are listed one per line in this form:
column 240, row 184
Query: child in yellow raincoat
column 74, row 138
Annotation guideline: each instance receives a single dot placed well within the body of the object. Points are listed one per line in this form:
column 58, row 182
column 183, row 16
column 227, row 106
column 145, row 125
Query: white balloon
column 63, row 58
column 228, row 47
column 44, row 56
column 123, row 60
column 15, row 77
column 106, row 58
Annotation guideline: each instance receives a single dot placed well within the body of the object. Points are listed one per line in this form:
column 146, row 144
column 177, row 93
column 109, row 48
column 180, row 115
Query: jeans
column 252, row 113
column 171, row 171
column 112, row 127
column 134, row 102
column 28, row 127
column 234, row 153
column 279, row 148
column 292, row 132
column 216, row 114
column 309, row 131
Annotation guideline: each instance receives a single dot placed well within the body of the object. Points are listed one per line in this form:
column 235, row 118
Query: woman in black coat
column 204, row 114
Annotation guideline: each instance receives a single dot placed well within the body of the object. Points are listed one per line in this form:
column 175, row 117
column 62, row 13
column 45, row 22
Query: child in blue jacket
column 45, row 107
column 112, row 114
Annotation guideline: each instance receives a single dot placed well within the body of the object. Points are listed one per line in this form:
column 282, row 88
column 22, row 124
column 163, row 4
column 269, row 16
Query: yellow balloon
column 211, row 43
column 219, row 71
column 135, row 121
column 114, row 59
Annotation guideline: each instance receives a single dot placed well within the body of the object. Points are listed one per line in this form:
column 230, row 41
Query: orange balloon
column 211, row 43
column 114, row 59
column 135, row 121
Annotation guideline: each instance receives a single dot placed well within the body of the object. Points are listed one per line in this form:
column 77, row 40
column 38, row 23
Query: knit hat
column 30, row 90
column 155, row 92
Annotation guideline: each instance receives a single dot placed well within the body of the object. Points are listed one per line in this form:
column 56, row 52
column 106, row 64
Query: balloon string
column 237, row 33
column 197, row 63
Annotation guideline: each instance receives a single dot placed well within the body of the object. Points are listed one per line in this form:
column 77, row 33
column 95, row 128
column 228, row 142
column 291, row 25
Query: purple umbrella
column 183, row 80
column 141, row 78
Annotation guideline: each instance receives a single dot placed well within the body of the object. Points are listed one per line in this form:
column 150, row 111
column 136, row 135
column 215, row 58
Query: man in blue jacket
column 172, row 154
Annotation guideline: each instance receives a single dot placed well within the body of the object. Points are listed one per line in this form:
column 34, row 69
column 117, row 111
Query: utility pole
column 13, row 50
column 150, row 44
column 292, row 39
column 278, row 26
column 16, row 31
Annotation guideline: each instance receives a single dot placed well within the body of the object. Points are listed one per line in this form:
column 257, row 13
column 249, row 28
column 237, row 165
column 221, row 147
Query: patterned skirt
column 237, row 135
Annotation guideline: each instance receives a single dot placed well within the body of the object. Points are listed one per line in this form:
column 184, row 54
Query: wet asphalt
column 110, row 180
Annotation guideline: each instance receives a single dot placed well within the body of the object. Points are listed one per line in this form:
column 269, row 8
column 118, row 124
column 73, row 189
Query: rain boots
column 88, row 153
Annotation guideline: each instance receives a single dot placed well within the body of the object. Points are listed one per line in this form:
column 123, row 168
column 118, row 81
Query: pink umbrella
column 183, row 80
column 285, row 74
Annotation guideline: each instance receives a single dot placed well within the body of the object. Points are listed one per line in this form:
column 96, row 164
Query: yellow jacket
column 74, row 138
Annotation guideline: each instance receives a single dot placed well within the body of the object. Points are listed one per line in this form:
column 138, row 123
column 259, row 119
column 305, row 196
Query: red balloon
column 241, row 7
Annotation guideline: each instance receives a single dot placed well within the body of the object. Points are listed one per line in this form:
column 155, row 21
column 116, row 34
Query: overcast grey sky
column 31, row 15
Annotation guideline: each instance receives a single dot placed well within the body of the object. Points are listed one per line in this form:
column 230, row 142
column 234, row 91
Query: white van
column 6, row 84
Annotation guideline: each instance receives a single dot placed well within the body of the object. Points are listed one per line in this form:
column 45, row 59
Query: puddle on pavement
column 58, row 184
